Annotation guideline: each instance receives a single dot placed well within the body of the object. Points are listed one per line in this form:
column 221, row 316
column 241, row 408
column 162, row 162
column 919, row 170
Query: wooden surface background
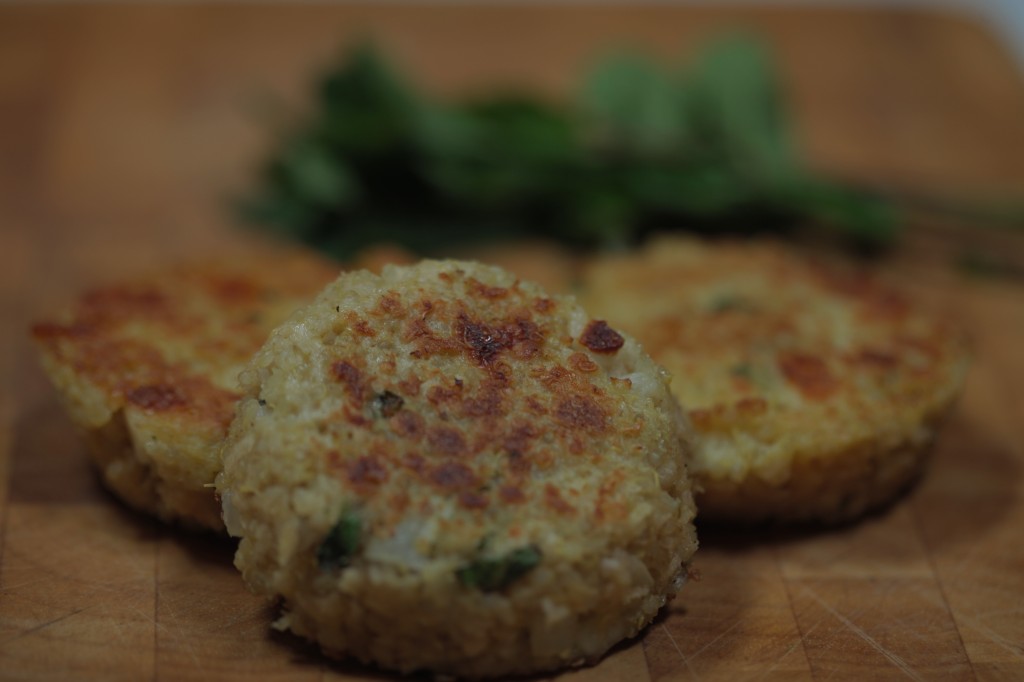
column 123, row 129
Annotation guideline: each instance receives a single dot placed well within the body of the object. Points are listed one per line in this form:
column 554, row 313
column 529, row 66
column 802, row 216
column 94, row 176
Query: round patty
column 445, row 468
column 814, row 389
column 148, row 370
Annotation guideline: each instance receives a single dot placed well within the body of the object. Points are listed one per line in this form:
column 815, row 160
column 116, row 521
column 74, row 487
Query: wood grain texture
column 124, row 129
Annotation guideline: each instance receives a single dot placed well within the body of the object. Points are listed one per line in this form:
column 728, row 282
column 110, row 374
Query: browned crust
column 160, row 355
column 502, row 351
column 791, row 366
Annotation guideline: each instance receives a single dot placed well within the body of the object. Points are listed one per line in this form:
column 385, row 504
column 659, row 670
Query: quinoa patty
column 445, row 468
column 814, row 389
column 148, row 370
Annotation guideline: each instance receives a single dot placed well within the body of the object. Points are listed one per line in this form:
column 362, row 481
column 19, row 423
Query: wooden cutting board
column 122, row 130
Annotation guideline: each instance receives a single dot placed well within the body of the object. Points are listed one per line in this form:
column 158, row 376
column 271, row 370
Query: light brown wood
column 124, row 129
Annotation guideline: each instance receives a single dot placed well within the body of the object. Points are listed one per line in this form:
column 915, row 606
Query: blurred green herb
column 490, row 575
column 987, row 265
column 341, row 543
column 386, row 405
column 642, row 147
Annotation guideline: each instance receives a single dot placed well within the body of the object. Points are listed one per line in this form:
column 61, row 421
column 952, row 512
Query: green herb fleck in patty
column 341, row 543
column 491, row 575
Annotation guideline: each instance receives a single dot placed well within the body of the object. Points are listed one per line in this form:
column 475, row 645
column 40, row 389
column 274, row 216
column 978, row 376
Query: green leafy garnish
column 341, row 543
column 493, row 574
column 642, row 146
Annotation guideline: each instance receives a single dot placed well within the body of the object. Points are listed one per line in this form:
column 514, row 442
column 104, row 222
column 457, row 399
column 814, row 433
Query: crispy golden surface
column 813, row 388
column 444, row 467
column 148, row 369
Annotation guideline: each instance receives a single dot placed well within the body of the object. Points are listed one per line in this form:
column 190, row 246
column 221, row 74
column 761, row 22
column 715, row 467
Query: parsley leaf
column 642, row 146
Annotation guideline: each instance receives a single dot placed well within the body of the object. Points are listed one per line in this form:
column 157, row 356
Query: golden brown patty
column 444, row 467
column 813, row 388
column 148, row 369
